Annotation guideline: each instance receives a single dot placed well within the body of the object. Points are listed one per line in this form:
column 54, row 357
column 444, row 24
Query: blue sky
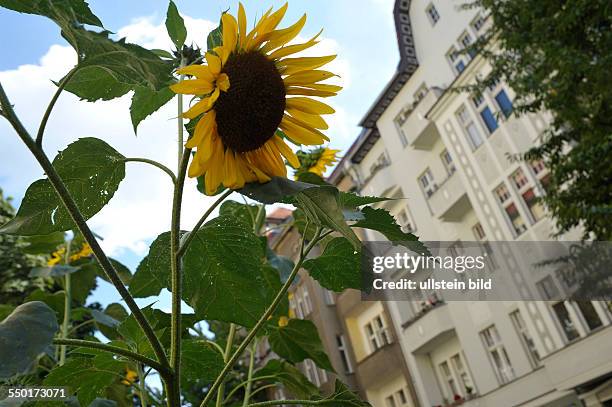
column 361, row 32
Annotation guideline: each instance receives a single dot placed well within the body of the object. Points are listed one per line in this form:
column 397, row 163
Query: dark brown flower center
column 249, row 113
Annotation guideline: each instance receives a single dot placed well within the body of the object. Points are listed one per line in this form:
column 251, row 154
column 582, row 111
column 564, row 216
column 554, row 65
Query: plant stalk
column 142, row 387
column 154, row 163
column 269, row 311
column 164, row 371
column 67, row 305
column 226, row 355
column 249, row 386
column 45, row 119
column 72, row 208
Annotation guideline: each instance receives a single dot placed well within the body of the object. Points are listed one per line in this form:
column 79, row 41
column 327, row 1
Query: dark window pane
column 489, row 119
column 504, row 103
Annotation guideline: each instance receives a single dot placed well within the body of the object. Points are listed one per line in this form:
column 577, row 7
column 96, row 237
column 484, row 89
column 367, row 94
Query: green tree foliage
column 556, row 55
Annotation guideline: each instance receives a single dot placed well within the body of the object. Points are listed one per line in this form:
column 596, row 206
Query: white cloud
column 140, row 210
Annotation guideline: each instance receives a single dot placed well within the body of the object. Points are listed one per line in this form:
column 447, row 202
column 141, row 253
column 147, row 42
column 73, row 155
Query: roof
column 279, row 214
column 408, row 64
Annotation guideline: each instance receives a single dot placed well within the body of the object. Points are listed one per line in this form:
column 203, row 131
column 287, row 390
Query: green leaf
column 297, row 341
column 243, row 213
column 381, row 221
column 147, row 101
column 92, row 83
column 87, row 376
column 338, row 268
column 274, row 191
column 43, row 244
column 175, row 26
column 124, row 273
column 153, row 272
column 24, row 335
column 351, row 200
column 55, row 301
column 200, row 361
column 215, row 37
column 104, row 319
column 59, row 270
column 78, row 10
column 322, row 207
column 5, row 310
column 223, row 277
column 82, row 283
column 91, row 170
column 103, row 403
column 290, row 377
column 343, row 397
column 116, row 312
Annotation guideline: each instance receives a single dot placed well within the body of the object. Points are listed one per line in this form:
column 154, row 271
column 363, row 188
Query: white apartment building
column 446, row 153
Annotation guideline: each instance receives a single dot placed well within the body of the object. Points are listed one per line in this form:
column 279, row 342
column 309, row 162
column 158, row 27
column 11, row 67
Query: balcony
column 380, row 366
column 450, row 201
column 431, row 329
column 420, row 132
column 380, row 181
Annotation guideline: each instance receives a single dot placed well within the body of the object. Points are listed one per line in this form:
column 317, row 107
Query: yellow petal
column 199, row 71
column 242, row 25
column 223, row 82
column 286, row 151
column 313, row 120
column 214, row 174
column 290, row 66
column 230, row 31
column 322, row 86
column 249, row 43
column 272, row 22
column 196, row 110
column 292, row 49
column 214, row 63
column 230, row 170
column 306, row 77
column 279, row 38
column 308, row 105
column 213, row 98
column 261, row 176
column 203, row 128
column 194, row 168
column 292, row 90
column 193, row 87
column 223, row 53
column 300, row 135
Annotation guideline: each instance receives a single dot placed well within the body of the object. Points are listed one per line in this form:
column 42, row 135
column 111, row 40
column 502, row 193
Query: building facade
column 447, row 154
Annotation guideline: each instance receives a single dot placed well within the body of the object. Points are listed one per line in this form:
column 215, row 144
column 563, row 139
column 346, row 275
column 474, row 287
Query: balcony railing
column 449, row 202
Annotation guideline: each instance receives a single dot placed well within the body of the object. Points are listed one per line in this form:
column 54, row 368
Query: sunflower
column 248, row 90
column 315, row 161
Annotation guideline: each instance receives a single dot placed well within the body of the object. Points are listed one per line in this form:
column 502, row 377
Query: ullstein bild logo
column 487, row 271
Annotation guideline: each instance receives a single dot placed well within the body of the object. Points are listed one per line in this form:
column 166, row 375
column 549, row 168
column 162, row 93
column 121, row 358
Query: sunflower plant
column 254, row 101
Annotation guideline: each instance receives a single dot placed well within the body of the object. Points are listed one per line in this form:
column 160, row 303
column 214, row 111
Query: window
column 465, row 381
column 589, row 314
column 519, row 178
column 427, row 182
column 455, row 60
column 470, row 128
column 381, row 162
column 377, row 333
column 526, row 338
column 481, row 236
column 456, row 378
column 404, row 221
column 478, row 231
column 504, row 103
column 478, row 100
column 563, row 318
column 502, row 193
column 477, row 23
column 390, row 401
column 346, row 361
column 466, row 40
column 447, row 160
column 512, row 213
column 489, row 119
column 541, row 173
column 497, row 354
column 526, row 191
column 328, row 297
column 300, row 302
column 449, row 379
column 315, row 375
column 397, row 399
column 432, row 14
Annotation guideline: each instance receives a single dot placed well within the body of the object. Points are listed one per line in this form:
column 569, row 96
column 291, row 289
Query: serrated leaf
column 146, row 101
column 215, row 37
column 116, row 312
column 43, row 244
column 83, row 283
column 92, row 83
column 381, row 221
column 24, row 335
column 338, row 268
column 275, row 190
column 297, row 341
column 242, row 212
column 351, row 200
column 87, row 376
column 322, row 207
column 91, row 170
column 289, row 376
column 175, row 25
column 124, row 273
column 104, row 319
column 343, row 397
column 77, row 10
column 153, row 272
column 200, row 361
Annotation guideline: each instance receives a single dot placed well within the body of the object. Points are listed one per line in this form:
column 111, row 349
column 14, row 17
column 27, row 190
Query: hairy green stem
column 176, row 280
column 154, row 163
column 67, row 305
column 262, row 320
column 179, row 121
column 72, row 208
column 137, row 357
column 249, row 386
column 142, row 387
column 244, row 383
column 45, row 119
column 262, row 388
column 226, row 355
column 189, row 237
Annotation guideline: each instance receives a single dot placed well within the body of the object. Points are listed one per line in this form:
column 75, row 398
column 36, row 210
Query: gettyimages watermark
column 487, row 271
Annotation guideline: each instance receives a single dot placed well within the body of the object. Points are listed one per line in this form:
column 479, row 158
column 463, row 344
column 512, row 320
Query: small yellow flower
column 56, row 257
column 250, row 88
column 283, row 321
column 326, row 159
column 85, row 252
column 130, row 377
